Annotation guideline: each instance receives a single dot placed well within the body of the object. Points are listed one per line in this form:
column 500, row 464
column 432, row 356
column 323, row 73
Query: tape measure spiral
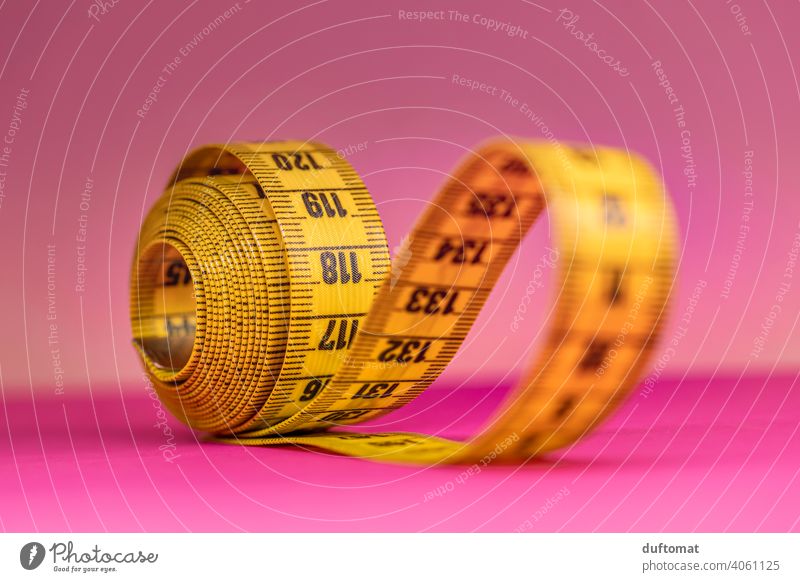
column 265, row 310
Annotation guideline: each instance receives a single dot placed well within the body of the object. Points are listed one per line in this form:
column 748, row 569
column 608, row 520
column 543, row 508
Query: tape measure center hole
column 167, row 307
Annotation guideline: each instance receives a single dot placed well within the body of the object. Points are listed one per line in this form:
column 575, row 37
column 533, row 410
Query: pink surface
column 695, row 455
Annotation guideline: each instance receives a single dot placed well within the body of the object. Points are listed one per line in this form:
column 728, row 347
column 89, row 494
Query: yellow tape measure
column 265, row 310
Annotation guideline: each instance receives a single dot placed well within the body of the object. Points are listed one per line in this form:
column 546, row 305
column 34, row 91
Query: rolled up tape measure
column 265, row 308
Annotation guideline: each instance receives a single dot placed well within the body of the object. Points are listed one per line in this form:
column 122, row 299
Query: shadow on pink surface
column 696, row 455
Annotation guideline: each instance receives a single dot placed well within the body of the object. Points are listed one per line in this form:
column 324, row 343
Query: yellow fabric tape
column 265, row 310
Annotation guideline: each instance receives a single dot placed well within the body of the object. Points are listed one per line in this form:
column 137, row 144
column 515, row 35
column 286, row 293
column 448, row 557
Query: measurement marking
column 331, row 316
column 333, row 248
column 330, row 189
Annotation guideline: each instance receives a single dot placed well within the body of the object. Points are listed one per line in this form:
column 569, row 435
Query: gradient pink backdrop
column 360, row 73
column 347, row 74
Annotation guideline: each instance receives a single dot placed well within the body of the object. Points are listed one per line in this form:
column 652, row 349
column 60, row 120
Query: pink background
column 359, row 73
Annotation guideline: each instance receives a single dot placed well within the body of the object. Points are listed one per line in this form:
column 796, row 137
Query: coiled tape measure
column 265, row 309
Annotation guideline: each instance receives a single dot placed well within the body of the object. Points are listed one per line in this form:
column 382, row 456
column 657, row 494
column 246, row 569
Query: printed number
column 343, row 340
column 432, row 301
column 379, row 390
column 615, row 216
column 615, row 293
column 565, row 406
column 177, row 273
column 318, row 205
column 300, row 161
column 312, row 389
column 344, row 415
column 404, row 351
column 515, row 166
column 394, row 443
column 595, row 353
column 491, row 205
column 335, row 268
column 587, row 155
column 468, row 251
